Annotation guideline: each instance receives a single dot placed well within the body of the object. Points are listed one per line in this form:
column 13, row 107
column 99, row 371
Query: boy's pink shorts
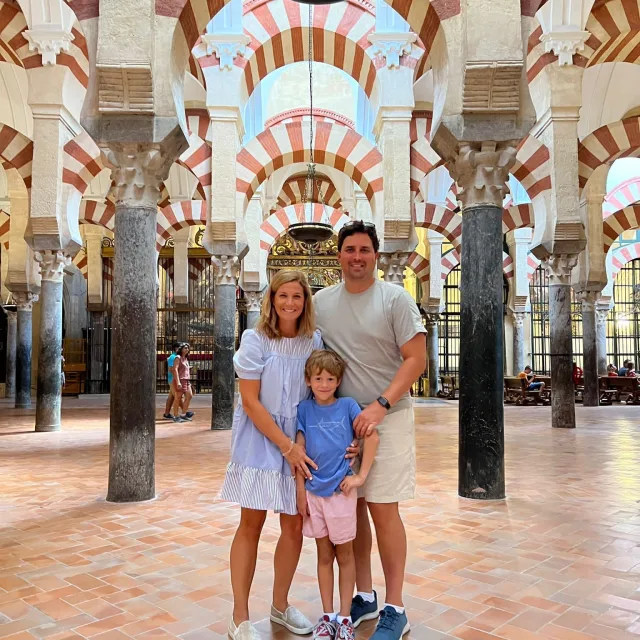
column 334, row 516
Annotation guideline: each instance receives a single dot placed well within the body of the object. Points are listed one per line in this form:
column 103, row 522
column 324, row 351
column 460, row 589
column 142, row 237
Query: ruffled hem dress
column 258, row 476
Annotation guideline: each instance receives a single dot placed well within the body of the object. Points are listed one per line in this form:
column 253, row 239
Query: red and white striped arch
column 532, row 167
column 177, row 216
column 298, row 115
column 440, row 219
column 293, row 192
column 622, row 256
column 80, row 260
column 532, row 265
column 621, row 221
column 517, row 217
column 452, row 259
column 197, row 158
column 624, row 195
column 82, row 162
column 419, row 265
column 334, row 145
column 619, row 139
column 5, row 226
column 279, row 221
column 14, row 47
column 423, row 158
column 16, row 151
column 100, row 213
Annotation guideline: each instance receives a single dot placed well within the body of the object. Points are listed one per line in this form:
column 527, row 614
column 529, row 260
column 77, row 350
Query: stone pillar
column 432, row 353
column 49, row 390
column 98, row 352
column 601, row 339
column 254, row 305
column 563, row 410
column 481, row 171
column 138, row 171
column 590, row 348
column 224, row 325
column 181, row 266
column 518, row 341
column 393, row 266
column 24, row 300
column 12, row 331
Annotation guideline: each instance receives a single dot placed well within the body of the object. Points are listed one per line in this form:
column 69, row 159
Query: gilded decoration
column 319, row 260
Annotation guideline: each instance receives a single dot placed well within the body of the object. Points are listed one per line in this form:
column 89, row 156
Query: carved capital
column 138, row 171
column 226, row 47
column 431, row 320
column 481, row 170
column 48, row 42
column 601, row 316
column 393, row 266
column 24, row 300
column 392, row 46
column 254, row 300
column 226, row 269
column 564, row 44
column 52, row 264
column 588, row 299
column 518, row 319
column 559, row 267
column 12, row 316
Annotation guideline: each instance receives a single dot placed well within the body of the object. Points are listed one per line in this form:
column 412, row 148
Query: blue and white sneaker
column 392, row 625
column 362, row 610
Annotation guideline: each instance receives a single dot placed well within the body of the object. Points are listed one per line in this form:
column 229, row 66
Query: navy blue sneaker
column 392, row 625
column 361, row 610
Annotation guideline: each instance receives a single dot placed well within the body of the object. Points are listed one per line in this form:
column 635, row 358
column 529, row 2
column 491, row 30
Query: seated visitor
column 612, row 370
column 577, row 373
column 622, row 371
column 631, row 370
column 531, row 377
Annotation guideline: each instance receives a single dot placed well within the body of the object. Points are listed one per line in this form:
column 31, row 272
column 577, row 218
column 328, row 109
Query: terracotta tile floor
column 559, row 559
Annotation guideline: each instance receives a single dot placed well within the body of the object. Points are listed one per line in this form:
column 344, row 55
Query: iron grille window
column 449, row 325
column 623, row 322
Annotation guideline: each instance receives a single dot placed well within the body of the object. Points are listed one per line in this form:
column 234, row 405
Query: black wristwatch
column 384, row 402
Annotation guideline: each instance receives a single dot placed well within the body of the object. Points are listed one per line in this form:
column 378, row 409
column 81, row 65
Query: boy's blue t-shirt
column 328, row 431
column 170, row 360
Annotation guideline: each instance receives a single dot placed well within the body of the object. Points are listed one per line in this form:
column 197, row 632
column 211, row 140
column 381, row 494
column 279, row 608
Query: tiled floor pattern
column 559, row 559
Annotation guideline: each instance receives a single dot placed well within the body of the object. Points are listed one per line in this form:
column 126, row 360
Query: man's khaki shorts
column 393, row 475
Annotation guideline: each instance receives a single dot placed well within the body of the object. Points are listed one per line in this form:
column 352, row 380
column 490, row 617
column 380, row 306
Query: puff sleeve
column 249, row 359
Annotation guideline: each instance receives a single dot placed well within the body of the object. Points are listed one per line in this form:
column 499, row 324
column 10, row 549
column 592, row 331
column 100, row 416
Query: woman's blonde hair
column 268, row 322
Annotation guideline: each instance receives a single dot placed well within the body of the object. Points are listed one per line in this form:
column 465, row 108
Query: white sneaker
column 244, row 631
column 293, row 620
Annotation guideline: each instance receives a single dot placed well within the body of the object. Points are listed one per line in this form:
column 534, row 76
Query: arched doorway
column 623, row 323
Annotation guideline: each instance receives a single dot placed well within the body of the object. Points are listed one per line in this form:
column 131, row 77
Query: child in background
column 328, row 501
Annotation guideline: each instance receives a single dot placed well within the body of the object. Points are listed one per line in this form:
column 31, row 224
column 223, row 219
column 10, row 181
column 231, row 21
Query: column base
column 114, row 500
column 48, row 427
column 23, row 406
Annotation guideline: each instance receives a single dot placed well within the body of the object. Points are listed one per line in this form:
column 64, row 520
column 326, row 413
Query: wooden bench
column 606, row 395
column 629, row 387
column 449, row 388
column 516, row 390
column 578, row 386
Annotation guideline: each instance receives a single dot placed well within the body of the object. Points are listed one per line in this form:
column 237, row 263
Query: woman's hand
column 353, row 451
column 298, row 460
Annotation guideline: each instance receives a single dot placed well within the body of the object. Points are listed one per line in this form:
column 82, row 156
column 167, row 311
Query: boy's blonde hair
column 324, row 360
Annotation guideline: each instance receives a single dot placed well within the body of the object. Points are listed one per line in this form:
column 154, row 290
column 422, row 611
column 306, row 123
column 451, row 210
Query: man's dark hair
column 359, row 226
column 176, row 346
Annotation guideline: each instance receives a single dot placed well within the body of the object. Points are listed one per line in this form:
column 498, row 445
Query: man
column 532, row 385
column 622, row 371
column 376, row 327
column 170, row 360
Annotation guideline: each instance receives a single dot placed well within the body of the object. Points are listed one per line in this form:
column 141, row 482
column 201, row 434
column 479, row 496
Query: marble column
column 49, row 390
column 224, row 325
column 432, row 353
column 254, row 304
column 518, row 341
column 563, row 410
column 24, row 333
column 12, row 330
column 589, row 348
column 393, row 266
column 601, row 339
column 137, row 171
column 481, row 171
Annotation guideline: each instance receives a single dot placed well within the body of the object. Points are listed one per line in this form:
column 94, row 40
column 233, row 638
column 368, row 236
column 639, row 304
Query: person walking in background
column 171, row 397
column 182, row 385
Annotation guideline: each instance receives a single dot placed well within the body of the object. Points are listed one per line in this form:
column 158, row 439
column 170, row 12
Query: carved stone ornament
column 564, row 44
column 226, row 269
column 393, row 266
column 431, row 319
column 24, row 300
column 601, row 316
column 588, row 299
column 226, row 47
column 52, row 264
column 392, row 46
column 138, row 172
column 254, row 300
column 518, row 319
column 481, row 171
column 559, row 267
column 48, row 42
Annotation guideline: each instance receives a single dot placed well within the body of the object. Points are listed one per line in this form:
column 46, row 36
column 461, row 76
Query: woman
column 264, row 457
column 612, row 370
column 182, row 382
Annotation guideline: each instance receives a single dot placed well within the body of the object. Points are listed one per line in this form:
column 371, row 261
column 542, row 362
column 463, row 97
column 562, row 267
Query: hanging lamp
column 308, row 231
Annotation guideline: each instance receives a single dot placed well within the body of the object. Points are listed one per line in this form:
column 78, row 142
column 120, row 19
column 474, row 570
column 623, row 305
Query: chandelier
column 308, row 231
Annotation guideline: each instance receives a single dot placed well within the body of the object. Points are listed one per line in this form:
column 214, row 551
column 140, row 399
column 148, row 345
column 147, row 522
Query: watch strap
column 384, row 402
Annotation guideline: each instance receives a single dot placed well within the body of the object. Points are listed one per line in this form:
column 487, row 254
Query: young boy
column 170, row 360
column 327, row 501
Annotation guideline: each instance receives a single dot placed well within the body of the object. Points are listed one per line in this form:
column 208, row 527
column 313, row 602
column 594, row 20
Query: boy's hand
column 351, row 482
column 303, row 507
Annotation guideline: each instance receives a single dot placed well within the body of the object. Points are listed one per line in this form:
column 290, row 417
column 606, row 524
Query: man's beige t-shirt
column 367, row 329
